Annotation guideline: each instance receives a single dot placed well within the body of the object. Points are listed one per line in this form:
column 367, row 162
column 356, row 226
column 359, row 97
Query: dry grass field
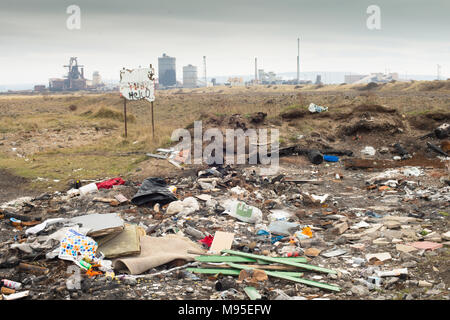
column 47, row 140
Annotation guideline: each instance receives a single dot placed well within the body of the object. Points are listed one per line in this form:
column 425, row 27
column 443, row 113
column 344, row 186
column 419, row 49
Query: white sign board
column 138, row 84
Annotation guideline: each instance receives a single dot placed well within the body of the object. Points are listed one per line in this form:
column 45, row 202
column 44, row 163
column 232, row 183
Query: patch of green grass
column 87, row 162
column 109, row 113
column 293, row 107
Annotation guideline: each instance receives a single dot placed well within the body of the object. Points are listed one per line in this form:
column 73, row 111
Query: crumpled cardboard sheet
column 100, row 224
column 156, row 251
column 123, row 244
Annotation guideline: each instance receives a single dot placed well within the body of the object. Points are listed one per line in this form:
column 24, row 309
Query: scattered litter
column 153, row 190
column 243, row 212
column 314, row 108
column 426, row 245
column 222, row 240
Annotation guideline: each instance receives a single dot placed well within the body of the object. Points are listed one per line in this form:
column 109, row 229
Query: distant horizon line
column 252, row 76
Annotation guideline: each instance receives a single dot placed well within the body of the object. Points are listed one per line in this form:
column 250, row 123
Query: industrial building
column 39, row 88
column 236, row 81
column 167, row 71
column 96, row 79
column 373, row 77
column 73, row 81
column 189, row 76
column 268, row 77
column 352, row 78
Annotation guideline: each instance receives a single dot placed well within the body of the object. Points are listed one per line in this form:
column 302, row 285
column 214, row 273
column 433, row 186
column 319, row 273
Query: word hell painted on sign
column 137, row 84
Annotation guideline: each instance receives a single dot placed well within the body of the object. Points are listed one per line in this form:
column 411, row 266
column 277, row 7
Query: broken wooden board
column 263, row 267
column 287, row 262
column 222, row 240
column 100, row 224
column 279, row 274
column 218, row 259
column 384, row 164
column 234, row 272
column 299, row 180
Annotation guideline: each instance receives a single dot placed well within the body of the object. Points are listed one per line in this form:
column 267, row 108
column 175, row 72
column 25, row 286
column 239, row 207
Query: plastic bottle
column 11, row 284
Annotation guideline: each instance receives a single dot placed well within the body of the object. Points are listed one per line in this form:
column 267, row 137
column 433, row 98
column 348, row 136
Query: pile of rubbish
column 313, row 232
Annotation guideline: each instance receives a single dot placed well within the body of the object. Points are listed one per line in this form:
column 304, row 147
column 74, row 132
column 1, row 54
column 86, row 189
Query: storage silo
column 96, row 79
column 166, row 71
column 189, row 76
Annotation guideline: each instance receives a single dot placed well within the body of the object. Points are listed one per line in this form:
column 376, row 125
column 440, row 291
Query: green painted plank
column 233, row 272
column 229, row 272
column 252, row 293
column 217, row 259
column 277, row 274
column 274, row 260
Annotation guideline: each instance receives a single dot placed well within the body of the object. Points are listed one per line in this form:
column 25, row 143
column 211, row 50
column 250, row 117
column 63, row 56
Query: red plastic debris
column 207, row 241
column 108, row 184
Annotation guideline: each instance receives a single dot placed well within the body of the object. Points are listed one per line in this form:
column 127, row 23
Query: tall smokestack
column 256, row 70
column 204, row 66
column 298, row 60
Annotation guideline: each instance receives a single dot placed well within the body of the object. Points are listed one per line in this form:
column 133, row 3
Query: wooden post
column 125, row 114
column 153, row 124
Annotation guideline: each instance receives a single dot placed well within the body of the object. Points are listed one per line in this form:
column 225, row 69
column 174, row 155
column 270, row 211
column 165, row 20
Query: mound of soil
column 294, row 114
column 370, row 118
column 428, row 121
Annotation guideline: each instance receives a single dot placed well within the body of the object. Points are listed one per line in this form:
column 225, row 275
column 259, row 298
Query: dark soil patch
column 428, row 121
column 12, row 187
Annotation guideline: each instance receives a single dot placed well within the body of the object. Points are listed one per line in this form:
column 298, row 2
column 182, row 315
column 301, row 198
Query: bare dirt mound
column 234, row 121
column 428, row 121
column 370, row 118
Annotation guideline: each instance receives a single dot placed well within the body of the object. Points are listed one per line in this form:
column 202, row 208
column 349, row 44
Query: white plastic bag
column 243, row 212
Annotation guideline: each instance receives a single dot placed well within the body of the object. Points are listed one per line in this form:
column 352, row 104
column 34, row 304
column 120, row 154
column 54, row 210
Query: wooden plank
column 264, row 267
column 281, row 275
column 286, row 262
column 234, row 272
column 217, row 258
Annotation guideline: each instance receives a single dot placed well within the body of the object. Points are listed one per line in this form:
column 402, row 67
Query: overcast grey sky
column 35, row 42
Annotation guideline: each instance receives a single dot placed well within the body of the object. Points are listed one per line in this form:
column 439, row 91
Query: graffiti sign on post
column 138, row 84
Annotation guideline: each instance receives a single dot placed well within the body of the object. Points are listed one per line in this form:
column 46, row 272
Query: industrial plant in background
column 167, row 76
column 190, row 76
column 75, row 80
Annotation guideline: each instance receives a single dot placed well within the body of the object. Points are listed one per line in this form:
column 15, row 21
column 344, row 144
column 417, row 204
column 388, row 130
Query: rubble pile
column 316, row 231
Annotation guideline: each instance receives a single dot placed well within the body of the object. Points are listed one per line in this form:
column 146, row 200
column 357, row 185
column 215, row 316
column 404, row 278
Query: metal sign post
column 137, row 84
column 125, row 114
column 153, row 124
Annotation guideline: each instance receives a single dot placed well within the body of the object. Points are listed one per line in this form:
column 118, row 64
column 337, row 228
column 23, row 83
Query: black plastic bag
column 153, row 190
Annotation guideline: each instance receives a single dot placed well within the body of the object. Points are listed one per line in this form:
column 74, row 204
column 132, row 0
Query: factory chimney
column 204, row 66
column 298, row 60
column 256, row 70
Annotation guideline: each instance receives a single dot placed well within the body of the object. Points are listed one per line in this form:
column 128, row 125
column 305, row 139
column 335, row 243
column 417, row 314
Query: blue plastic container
column 330, row 158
